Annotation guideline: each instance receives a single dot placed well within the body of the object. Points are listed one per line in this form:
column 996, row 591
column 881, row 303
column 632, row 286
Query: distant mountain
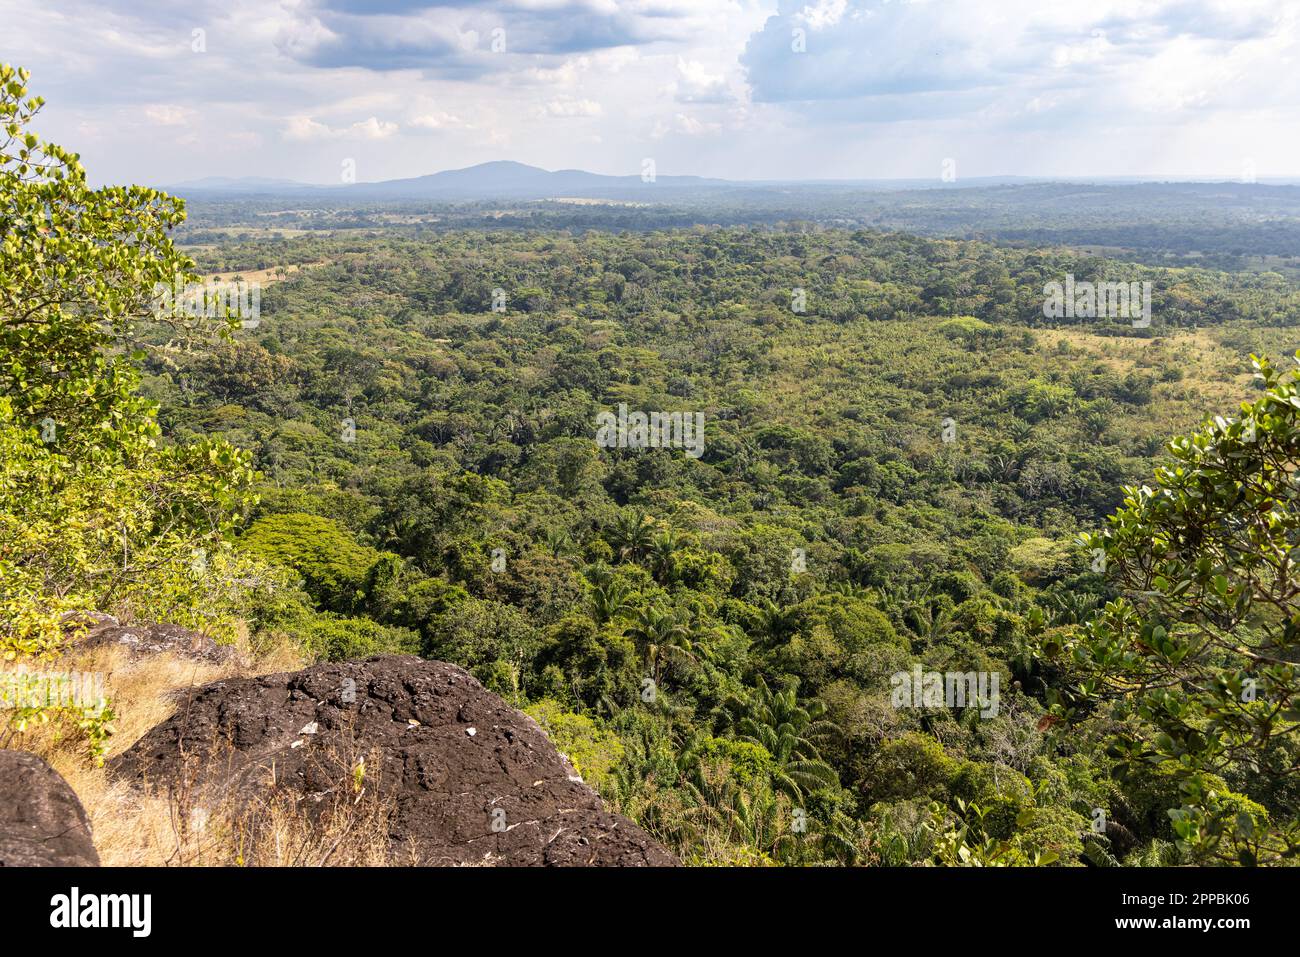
column 504, row 179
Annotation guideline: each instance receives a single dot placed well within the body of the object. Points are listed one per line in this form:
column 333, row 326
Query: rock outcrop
column 102, row 631
column 470, row 779
column 42, row 824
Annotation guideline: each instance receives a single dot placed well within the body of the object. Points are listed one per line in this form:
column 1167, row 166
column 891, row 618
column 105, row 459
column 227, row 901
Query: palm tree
column 557, row 541
column 1020, row 431
column 663, row 556
column 932, row 621
column 631, row 535
column 930, row 617
column 1005, row 468
column 1072, row 607
column 776, row 623
column 971, row 469
column 609, row 600
column 790, row 733
column 850, row 590
column 726, row 814
column 845, row 839
column 897, row 599
column 754, row 819
column 661, row 635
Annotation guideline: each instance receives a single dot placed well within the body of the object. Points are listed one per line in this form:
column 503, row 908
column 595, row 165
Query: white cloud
column 303, row 128
column 434, row 120
column 685, row 125
column 1092, row 50
column 695, row 83
column 568, row 107
column 823, row 13
column 1004, row 86
column 372, row 129
column 167, row 114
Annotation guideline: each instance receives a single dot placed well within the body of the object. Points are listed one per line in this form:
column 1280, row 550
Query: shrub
column 332, row 564
column 336, row 638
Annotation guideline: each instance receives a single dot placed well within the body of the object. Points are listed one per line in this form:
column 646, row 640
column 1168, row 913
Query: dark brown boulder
column 101, row 631
column 42, row 824
column 471, row 779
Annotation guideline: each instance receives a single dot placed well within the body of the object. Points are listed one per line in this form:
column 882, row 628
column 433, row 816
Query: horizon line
column 938, row 181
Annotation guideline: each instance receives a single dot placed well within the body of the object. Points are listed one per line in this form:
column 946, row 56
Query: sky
column 156, row 92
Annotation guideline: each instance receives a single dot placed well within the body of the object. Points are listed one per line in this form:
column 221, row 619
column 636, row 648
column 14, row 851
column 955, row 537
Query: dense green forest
column 428, row 469
column 900, row 454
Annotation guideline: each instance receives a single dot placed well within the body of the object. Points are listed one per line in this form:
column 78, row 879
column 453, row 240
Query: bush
column 912, row 766
column 335, row 638
column 333, row 565
column 593, row 749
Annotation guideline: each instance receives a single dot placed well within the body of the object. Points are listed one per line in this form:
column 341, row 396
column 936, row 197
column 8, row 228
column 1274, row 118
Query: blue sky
column 157, row 92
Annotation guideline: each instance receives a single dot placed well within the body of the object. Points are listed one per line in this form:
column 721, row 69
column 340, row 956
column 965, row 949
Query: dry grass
column 179, row 828
column 264, row 276
column 347, row 827
column 129, row 828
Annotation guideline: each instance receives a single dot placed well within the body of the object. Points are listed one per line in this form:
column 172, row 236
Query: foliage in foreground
column 96, row 511
column 1196, row 660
